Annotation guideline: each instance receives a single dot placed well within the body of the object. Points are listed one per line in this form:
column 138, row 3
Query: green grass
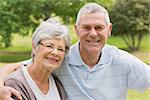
column 134, row 95
column 145, row 44
column 117, row 41
column 19, row 44
column 20, row 49
column 13, row 57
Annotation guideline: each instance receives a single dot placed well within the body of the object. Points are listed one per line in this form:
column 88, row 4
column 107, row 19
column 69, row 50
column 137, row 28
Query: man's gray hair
column 92, row 8
column 51, row 29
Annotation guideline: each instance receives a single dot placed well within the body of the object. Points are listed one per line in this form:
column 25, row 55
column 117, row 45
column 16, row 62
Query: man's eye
column 87, row 27
column 98, row 28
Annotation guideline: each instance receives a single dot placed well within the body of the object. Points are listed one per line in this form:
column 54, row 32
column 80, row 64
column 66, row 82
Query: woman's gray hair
column 92, row 8
column 51, row 29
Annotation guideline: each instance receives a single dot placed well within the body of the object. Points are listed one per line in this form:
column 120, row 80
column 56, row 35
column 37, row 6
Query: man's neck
column 91, row 59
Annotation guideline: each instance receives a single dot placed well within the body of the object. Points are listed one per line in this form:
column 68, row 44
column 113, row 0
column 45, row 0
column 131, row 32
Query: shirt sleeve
column 138, row 73
column 26, row 62
column 19, row 87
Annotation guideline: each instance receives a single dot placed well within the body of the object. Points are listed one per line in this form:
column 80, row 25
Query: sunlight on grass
column 133, row 95
column 145, row 44
column 73, row 35
column 2, row 64
column 118, row 41
column 19, row 44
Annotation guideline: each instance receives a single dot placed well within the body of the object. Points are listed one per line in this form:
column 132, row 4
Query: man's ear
column 109, row 29
column 76, row 30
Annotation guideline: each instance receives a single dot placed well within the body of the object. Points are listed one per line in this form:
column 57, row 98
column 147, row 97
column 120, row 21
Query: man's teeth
column 93, row 41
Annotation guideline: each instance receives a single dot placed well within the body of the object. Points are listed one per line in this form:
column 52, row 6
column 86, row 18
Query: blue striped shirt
column 115, row 73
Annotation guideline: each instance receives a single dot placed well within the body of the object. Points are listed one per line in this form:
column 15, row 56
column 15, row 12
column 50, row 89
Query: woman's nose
column 54, row 51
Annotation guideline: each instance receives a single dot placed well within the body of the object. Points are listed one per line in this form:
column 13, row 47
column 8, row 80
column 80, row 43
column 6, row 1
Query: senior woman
column 50, row 43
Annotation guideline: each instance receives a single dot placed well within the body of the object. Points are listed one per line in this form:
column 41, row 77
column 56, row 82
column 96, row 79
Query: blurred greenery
column 131, row 20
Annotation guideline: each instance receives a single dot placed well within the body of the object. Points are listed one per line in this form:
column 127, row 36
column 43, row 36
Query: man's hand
column 6, row 93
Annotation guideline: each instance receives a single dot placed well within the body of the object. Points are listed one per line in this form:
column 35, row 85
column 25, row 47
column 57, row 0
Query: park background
column 19, row 18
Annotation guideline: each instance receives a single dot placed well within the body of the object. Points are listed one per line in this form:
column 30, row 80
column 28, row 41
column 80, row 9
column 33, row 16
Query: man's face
column 93, row 32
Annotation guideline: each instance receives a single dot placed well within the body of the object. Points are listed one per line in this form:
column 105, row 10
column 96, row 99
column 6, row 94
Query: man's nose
column 93, row 32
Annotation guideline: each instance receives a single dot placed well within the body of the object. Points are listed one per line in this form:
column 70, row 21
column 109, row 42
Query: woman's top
column 22, row 81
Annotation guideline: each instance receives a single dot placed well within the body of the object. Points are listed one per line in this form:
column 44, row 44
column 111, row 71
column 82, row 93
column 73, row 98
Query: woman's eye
column 62, row 50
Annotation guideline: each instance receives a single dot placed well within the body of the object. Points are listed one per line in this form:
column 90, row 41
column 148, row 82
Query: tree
column 19, row 16
column 22, row 16
column 130, row 20
column 68, row 9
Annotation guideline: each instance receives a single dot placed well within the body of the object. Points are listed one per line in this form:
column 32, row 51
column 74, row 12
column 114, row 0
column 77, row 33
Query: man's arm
column 7, row 69
column 7, row 92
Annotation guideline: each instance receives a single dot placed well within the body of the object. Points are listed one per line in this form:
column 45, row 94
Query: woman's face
column 50, row 53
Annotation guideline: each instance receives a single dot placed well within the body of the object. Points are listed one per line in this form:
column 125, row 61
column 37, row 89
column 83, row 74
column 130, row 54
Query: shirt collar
column 106, row 56
column 74, row 55
column 75, row 58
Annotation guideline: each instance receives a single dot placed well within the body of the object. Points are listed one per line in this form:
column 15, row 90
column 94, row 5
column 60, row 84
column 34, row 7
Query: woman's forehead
column 54, row 41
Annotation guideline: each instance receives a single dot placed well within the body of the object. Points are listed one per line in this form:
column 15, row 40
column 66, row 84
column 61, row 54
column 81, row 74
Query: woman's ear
column 33, row 49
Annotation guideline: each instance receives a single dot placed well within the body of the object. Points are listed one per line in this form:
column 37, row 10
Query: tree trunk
column 139, row 40
column 133, row 47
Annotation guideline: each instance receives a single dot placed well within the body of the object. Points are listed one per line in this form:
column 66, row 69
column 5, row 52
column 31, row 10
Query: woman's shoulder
column 60, row 88
column 18, row 81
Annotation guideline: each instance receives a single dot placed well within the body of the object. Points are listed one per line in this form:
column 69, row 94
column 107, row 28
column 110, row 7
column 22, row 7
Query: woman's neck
column 40, row 76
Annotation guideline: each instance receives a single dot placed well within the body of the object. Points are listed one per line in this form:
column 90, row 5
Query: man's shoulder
column 120, row 56
column 115, row 53
column 74, row 50
column 110, row 48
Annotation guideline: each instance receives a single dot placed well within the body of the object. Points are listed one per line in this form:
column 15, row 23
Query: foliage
column 69, row 8
column 18, row 16
column 131, row 20
column 23, row 16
